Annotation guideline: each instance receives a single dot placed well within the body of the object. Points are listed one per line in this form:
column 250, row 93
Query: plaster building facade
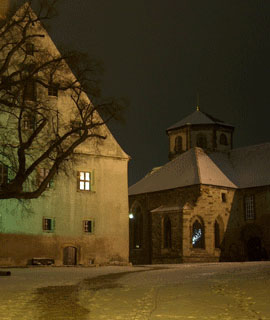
column 82, row 217
column 209, row 203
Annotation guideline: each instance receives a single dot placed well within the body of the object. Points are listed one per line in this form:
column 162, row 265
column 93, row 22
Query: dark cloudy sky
column 159, row 53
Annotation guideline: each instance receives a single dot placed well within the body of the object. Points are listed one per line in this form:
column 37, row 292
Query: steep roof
column 240, row 168
column 174, row 174
column 112, row 149
column 251, row 165
column 198, row 117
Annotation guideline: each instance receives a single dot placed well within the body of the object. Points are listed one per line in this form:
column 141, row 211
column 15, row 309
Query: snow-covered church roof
column 239, row 168
column 198, row 117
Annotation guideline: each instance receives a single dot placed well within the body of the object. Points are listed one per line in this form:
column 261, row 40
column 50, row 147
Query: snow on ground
column 222, row 291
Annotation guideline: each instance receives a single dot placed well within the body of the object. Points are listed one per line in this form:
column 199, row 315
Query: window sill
column 166, row 250
column 198, row 249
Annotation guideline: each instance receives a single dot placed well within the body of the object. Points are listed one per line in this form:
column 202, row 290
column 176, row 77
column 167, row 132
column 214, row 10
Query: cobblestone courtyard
column 188, row 291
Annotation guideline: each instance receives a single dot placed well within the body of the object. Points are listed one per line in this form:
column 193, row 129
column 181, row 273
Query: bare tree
column 37, row 128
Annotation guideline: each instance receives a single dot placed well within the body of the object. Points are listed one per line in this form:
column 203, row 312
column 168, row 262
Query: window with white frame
column 88, row 226
column 48, row 224
column 249, row 207
column 84, row 180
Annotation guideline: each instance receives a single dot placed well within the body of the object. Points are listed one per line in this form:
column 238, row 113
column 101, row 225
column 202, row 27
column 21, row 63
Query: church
column 209, row 203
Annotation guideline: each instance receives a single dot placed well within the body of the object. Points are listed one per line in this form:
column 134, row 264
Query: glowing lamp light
column 131, row 216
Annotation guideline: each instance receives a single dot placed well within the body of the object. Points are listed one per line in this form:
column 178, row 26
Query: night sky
column 159, row 54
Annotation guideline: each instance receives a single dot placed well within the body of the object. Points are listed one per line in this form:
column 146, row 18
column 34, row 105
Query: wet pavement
column 202, row 291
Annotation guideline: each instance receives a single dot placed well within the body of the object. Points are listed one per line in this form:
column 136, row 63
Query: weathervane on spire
column 198, row 105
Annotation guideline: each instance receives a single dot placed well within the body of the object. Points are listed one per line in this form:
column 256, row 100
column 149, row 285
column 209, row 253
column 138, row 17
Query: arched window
column 223, row 139
column 217, row 234
column 178, row 144
column 198, row 235
column 167, row 233
column 137, row 228
column 201, row 141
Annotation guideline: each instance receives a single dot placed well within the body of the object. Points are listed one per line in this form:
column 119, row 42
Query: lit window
column 249, row 207
column 84, row 180
column 3, row 174
column 197, row 235
column 88, row 226
column 53, row 90
column 48, row 224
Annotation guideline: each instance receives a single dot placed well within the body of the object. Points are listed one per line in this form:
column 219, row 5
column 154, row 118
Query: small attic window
column 53, row 90
column 223, row 197
column 223, row 139
column 29, row 48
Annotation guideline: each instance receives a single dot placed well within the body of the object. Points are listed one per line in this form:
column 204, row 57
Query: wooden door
column 70, row 256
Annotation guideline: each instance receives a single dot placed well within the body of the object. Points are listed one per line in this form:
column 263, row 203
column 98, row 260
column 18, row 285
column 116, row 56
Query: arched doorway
column 254, row 249
column 70, row 256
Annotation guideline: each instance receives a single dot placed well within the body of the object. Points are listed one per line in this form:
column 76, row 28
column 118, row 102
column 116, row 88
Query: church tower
column 199, row 129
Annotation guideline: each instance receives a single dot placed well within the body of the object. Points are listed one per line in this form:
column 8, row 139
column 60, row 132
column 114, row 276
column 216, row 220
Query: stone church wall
column 241, row 230
column 210, row 206
column 152, row 250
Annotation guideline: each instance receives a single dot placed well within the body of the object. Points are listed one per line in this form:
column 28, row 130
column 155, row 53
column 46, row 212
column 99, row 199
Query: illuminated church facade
column 209, row 203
